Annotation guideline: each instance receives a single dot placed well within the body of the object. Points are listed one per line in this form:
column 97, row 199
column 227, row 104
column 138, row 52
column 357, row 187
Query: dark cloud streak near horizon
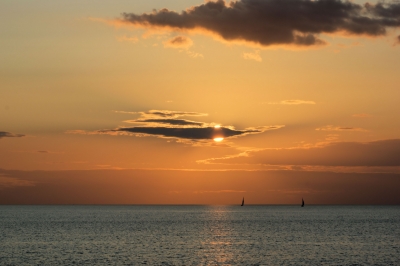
column 269, row 22
column 4, row 134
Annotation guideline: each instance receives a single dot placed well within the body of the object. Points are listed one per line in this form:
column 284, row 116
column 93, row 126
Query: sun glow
column 217, row 126
column 218, row 139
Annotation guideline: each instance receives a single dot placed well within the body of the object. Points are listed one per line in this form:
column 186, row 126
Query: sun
column 218, row 139
column 217, row 126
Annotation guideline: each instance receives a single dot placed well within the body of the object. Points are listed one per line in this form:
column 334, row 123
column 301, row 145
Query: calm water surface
column 199, row 235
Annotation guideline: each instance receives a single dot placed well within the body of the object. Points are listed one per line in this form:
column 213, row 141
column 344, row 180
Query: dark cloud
column 376, row 153
column 194, row 133
column 4, row 134
column 180, row 122
column 269, row 22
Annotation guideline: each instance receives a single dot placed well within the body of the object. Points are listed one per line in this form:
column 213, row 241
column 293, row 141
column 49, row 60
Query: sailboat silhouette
column 302, row 202
column 242, row 202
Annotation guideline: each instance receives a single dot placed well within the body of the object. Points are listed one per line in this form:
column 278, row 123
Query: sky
column 199, row 102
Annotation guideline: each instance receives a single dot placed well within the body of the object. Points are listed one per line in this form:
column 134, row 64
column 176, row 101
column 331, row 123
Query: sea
column 199, row 235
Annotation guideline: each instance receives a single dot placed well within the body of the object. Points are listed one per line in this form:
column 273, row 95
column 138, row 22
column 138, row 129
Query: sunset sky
column 199, row 102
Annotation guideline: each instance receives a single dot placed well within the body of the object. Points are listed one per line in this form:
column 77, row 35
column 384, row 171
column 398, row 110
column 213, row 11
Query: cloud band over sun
column 193, row 133
column 275, row 22
column 168, row 124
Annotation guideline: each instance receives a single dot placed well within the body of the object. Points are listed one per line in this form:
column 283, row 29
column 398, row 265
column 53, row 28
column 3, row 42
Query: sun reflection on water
column 217, row 237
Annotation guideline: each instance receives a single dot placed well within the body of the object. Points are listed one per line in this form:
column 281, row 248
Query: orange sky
column 122, row 102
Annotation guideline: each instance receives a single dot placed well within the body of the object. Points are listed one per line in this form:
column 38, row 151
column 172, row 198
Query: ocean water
column 199, row 235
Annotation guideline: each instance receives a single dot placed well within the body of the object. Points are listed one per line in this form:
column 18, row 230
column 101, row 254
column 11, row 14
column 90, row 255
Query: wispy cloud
column 132, row 39
column 179, row 42
column 274, row 22
column 219, row 191
column 362, row 115
column 252, row 56
column 42, row 152
column 339, row 128
column 383, row 153
column 194, row 54
column 293, row 102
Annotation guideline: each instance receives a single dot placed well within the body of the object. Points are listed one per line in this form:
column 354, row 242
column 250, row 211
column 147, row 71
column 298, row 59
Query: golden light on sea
column 218, row 139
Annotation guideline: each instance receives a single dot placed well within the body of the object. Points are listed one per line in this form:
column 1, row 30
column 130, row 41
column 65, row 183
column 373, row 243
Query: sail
column 242, row 202
column 302, row 203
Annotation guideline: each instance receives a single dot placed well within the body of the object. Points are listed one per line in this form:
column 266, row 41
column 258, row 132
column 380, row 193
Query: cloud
column 293, row 102
column 181, row 122
column 333, row 128
column 164, row 114
column 194, row 54
column 252, row 56
column 4, row 134
column 133, row 39
column 362, row 115
column 383, row 153
column 165, row 124
column 182, row 42
column 179, row 42
column 274, row 22
column 193, row 133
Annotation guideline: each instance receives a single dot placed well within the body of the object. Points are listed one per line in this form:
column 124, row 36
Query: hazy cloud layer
column 271, row 22
column 4, row 134
column 197, row 187
column 10, row 182
column 376, row 153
